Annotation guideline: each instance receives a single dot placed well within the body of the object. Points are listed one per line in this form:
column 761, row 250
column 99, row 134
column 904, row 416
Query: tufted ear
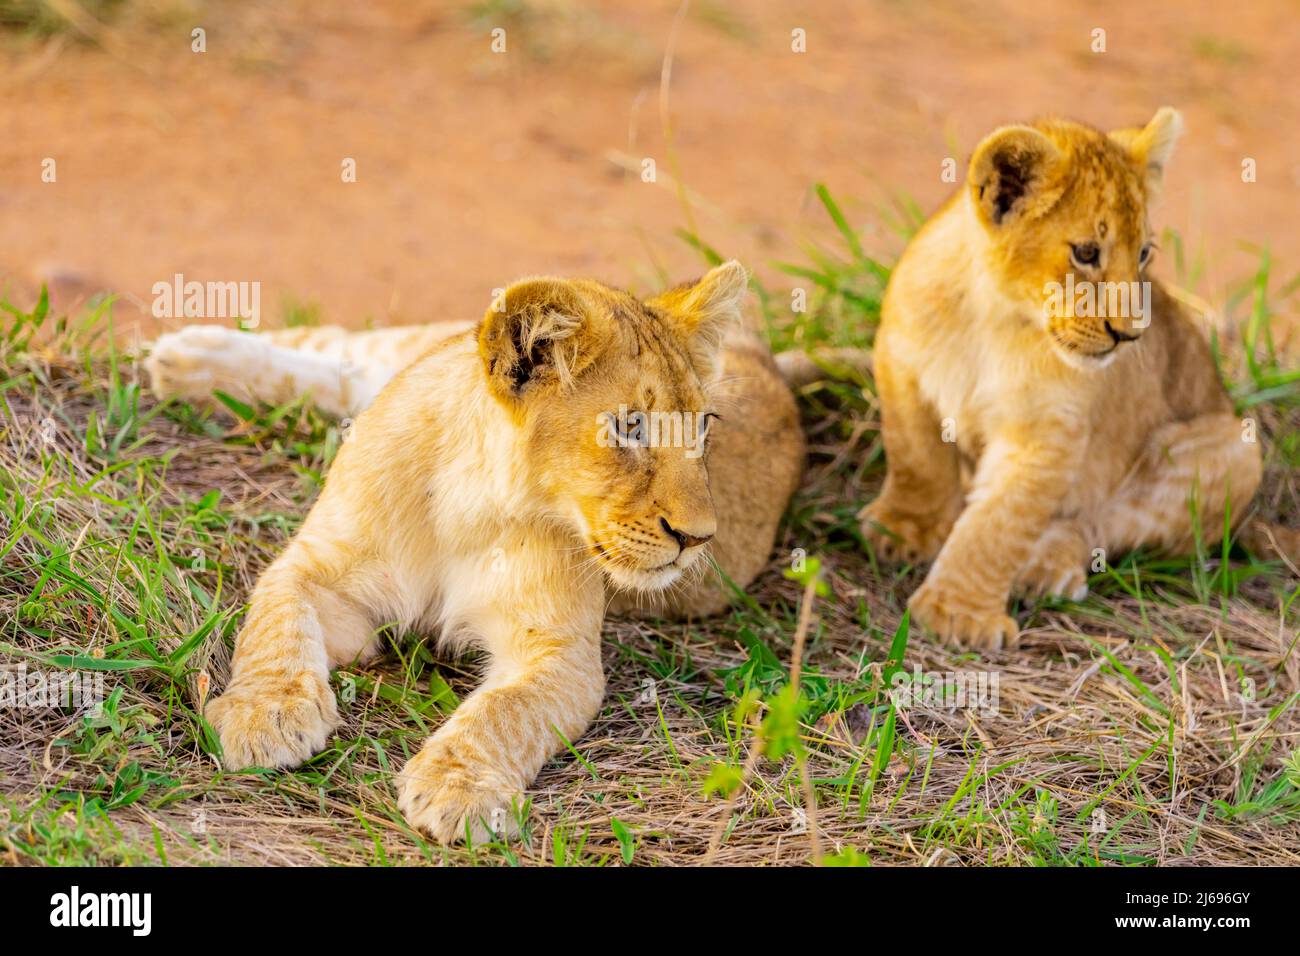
column 537, row 335
column 702, row 312
column 1152, row 146
column 1011, row 175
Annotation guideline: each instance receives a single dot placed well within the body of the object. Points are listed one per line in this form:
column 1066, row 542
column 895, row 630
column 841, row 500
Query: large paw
column 902, row 538
column 446, row 791
column 270, row 722
column 190, row 363
column 1056, row 566
column 954, row 617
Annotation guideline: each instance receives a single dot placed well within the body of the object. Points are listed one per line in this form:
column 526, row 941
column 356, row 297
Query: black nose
column 1119, row 337
column 683, row 539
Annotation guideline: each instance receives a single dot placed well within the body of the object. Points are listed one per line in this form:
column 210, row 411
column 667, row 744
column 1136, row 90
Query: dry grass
column 1155, row 723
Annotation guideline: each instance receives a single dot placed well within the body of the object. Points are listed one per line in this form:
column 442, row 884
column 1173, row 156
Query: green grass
column 1155, row 722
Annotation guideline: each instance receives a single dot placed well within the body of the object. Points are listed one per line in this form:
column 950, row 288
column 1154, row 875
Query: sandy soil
column 474, row 168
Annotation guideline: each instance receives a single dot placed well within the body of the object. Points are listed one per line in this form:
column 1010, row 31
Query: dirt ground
column 475, row 167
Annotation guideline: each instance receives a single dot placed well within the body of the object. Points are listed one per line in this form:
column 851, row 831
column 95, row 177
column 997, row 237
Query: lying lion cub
column 1025, row 425
column 497, row 492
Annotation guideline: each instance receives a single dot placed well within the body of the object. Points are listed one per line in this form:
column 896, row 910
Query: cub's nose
column 685, row 539
column 1131, row 334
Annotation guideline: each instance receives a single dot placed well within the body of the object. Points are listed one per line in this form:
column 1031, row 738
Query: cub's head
column 612, row 397
column 1066, row 211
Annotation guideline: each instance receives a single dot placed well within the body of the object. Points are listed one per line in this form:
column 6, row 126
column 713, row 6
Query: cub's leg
column 1206, row 458
column 392, row 348
column 278, row 708
column 193, row 362
column 921, row 497
column 1018, row 486
column 1150, row 508
column 543, row 688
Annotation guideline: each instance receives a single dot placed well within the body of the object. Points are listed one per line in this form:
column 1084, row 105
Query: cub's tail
column 1271, row 541
column 803, row 368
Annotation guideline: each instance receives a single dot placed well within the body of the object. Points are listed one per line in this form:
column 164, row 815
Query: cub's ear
column 536, row 335
column 1011, row 175
column 702, row 312
column 1152, row 146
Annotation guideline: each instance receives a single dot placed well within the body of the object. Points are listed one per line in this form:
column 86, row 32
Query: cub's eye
column 623, row 429
column 704, row 425
column 1085, row 255
column 634, row 431
column 1144, row 257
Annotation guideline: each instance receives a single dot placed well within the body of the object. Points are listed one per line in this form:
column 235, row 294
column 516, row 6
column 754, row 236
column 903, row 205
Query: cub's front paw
column 902, row 538
column 446, row 789
column 273, row 722
column 1056, row 566
column 956, row 618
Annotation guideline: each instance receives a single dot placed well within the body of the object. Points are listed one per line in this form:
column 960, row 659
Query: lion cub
column 501, row 491
column 1043, row 400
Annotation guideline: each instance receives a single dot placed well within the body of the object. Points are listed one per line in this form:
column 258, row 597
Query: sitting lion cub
column 577, row 444
column 1041, row 397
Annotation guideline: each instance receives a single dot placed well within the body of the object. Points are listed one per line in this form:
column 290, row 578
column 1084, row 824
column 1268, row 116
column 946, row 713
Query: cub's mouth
column 627, row 570
column 1077, row 356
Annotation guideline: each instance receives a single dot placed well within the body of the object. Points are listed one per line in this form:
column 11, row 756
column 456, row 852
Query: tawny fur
column 472, row 500
column 1022, row 444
